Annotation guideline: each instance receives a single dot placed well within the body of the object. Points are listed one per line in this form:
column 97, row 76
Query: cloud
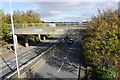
column 108, row 5
column 69, row 11
column 55, row 9
column 61, row 0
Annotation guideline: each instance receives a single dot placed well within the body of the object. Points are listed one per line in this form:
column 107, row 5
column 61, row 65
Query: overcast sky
column 76, row 11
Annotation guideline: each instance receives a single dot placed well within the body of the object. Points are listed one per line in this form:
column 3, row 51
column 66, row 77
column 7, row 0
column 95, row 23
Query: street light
column 14, row 40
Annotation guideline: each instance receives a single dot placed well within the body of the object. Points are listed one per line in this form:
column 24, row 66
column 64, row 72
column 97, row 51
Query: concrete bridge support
column 44, row 38
column 26, row 41
column 16, row 42
column 39, row 37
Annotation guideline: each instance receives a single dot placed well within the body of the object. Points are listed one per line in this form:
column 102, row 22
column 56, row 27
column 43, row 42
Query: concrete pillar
column 16, row 42
column 39, row 37
column 26, row 41
column 44, row 38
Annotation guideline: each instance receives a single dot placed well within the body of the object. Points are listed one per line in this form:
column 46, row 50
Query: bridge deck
column 45, row 30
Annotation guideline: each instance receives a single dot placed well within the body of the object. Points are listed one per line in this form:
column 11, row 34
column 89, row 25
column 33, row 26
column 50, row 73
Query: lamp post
column 14, row 40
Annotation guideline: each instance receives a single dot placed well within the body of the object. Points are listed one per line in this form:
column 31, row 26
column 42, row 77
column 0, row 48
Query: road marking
column 13, row 60
column 25, row 53
column 60, row 67
column 13, row 67
column 28, row 55
column 24, row 59
column 3, row 69
column 67, row 55
column 3, row 63
column 8, row 63
column 69, row 50
column 5, row 52
column 63, row 62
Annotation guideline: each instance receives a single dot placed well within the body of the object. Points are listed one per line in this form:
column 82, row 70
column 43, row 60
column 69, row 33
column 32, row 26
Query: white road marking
column 67, row 55
column 24, row 59
column 27, row 57
column 13, row 60
column 63, row 62
column 23, row 54
column 69, row 50
column 8, row 62
column 26, row 53
column 65, row 58
column 3, row 69
column 60, row 67
column 13, row 67
column 3, row 64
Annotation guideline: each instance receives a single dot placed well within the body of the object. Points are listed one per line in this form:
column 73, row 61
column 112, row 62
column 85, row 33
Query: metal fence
column 28, row 25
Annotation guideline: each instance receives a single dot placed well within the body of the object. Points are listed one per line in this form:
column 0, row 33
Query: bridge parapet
column 28, row 25
column 46, row 28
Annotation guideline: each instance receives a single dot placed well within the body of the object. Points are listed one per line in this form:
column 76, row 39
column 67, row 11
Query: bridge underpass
column 33, row 53
column 45, row 29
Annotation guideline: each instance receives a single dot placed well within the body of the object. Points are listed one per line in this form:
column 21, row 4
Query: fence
column 28, row 25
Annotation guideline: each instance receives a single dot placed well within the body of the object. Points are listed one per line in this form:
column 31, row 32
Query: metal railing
column 29, row 25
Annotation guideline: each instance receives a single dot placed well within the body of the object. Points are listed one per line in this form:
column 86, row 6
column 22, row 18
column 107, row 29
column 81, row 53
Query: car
column 70, row 41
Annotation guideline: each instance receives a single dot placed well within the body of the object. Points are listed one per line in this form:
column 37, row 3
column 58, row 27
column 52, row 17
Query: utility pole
column 14, row 40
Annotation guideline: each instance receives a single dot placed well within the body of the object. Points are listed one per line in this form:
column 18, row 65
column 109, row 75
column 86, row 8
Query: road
column 9, row 66
column 64, row 63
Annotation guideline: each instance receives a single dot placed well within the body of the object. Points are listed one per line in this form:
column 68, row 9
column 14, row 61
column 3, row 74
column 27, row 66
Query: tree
column 102, row 42
column 5, row 28
column 29, row 16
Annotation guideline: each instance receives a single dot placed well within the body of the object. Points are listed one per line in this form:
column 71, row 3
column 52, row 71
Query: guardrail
column 32, row 62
